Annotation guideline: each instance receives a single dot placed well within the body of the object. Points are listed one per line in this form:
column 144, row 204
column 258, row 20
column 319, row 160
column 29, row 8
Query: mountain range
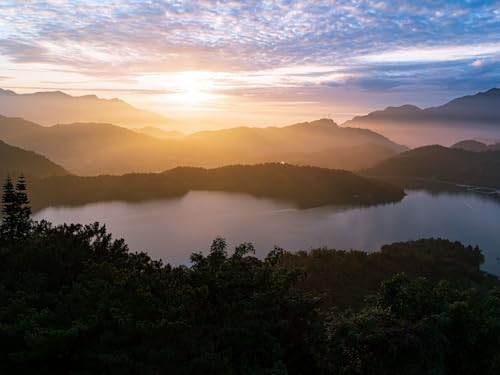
column 469, row 116
column 56, row 107
column 91, row 148
column 476, row 146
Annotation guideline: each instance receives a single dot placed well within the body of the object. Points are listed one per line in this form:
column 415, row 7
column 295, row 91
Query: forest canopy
column 77, row 301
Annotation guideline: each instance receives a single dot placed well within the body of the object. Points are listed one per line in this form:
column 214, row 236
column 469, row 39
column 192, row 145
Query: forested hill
column 15, row 161
column 443, row 164
column 304, row 186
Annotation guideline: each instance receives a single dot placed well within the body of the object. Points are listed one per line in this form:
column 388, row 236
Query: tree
column 24, row 214
column 16, row 212
column 415, row 327
column 10, row 209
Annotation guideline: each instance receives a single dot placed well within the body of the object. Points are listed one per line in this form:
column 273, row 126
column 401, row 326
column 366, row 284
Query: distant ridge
column 99, row 148
column 471, row 116
column 52, row 107
column 483, row 107
column 15, row 161
column 476, row 146
column 159, row 133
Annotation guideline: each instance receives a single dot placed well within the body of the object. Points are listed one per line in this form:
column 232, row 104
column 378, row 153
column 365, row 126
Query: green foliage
column 345, row 278
column 416, row 327
column 75, row 301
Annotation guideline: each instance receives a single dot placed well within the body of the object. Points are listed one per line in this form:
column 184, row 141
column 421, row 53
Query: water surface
column 171, row 229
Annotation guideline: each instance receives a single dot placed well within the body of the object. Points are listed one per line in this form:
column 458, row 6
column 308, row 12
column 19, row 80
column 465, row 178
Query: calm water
column 172, row 229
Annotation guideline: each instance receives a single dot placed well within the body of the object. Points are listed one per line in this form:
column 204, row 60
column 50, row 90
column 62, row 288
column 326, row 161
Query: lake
column 171, row 229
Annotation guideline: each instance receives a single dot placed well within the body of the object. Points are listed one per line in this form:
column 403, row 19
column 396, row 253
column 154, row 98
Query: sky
column 229, row 63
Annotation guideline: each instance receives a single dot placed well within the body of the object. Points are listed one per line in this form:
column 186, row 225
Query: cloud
column 444, row 53
column 237, row 46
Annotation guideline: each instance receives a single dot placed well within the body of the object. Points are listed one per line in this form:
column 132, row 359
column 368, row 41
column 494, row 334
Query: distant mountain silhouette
column 53, row 107
column 89, row 149
column 15, row 161
column 304, row 186
column 474, row 115
column 440, row 163
column 347, row 157
column 483, row 107
column 159, row 133
column 476, row 146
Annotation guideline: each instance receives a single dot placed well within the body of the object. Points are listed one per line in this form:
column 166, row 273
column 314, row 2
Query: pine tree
column 10, row 210
column 16, row 212
column 24, row 214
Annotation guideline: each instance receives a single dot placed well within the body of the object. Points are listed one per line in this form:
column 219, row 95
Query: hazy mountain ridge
column 483, row 107
column 91, row 149
column 54, row 107
column 16, row 161
column 470, row 116
column 159, row 133
column 476, row 146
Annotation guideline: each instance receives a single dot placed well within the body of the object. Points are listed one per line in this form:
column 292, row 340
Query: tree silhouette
column 24, row 214
column 16, row 211
column 10, row 208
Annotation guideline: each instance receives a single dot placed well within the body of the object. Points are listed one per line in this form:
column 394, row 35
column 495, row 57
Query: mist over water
column 172, row 229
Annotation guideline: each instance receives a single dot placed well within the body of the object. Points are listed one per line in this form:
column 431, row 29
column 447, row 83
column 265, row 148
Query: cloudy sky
column 222, row 63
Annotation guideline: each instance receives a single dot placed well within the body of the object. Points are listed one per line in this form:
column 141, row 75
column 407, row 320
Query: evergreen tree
column 24, row 214
column 16, row 212
column 10, row 209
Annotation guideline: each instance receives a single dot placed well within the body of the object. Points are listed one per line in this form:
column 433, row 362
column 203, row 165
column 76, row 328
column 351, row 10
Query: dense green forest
column 77, row 301
column 303, row 186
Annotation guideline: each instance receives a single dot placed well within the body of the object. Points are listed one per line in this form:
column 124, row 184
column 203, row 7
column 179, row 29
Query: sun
column 184, row 90
column 192, row 89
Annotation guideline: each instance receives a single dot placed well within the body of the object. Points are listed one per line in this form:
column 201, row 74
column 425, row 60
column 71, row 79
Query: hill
column 469, row 116
column 91, row 149
column 55, row 107
column 159, row 133
column 476, row 146
column 348, row 157
column 303, row 186
column 471, row 145
column 16, row 161
column 440, row 163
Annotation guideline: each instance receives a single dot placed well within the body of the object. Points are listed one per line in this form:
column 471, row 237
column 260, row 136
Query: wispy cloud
column 445, row 53
column 233, row 47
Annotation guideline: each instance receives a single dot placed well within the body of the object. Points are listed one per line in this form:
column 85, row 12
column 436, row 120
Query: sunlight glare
column 191, row 89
